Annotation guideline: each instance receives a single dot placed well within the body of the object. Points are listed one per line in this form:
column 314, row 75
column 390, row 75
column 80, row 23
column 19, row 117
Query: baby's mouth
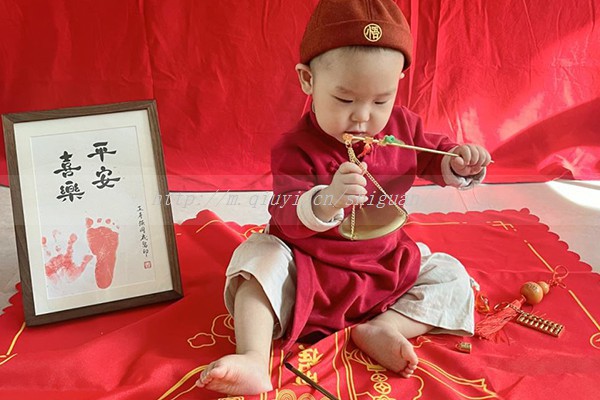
column 361, row 134
column 355, row 136
column 357, row 133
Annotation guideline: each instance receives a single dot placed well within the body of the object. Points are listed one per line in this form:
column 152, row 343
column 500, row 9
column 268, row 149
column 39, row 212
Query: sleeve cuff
column 460, row 182
column 308, row 217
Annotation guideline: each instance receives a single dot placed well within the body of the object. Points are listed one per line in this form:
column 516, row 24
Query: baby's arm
column 347, row 188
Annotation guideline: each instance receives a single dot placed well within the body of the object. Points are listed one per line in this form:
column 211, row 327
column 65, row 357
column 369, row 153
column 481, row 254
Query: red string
column 557, row 280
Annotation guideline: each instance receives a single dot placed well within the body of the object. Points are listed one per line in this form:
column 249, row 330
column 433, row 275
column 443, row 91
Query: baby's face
column 354, row 91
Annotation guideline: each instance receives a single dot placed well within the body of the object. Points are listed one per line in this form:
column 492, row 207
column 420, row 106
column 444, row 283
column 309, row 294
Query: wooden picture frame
column 93, row 231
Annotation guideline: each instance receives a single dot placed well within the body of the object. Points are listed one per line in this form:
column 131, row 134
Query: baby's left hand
column 473, row 158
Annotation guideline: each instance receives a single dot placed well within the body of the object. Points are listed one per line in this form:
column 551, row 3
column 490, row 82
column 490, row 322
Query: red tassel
column 488, row 327
column 366, row 150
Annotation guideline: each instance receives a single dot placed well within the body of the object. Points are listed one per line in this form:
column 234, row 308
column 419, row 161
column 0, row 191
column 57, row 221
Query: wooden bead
column 532, row 292
column 545, row 287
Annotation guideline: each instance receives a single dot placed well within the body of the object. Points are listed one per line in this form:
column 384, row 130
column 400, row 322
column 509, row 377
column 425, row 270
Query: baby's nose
column 361, row 114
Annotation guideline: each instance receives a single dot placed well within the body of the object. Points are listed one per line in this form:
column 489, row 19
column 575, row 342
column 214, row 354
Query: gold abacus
column 538, row 323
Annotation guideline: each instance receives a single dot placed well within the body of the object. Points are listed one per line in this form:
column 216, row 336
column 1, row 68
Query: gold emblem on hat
column 372, row 32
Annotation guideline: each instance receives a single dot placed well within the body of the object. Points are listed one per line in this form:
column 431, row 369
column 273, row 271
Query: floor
column 570, row 208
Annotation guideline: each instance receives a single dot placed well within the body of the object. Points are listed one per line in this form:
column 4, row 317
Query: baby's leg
column 385, row 340
column 247, row 371
column 441, row 297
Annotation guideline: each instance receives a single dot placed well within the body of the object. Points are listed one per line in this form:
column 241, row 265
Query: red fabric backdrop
column 521, row 77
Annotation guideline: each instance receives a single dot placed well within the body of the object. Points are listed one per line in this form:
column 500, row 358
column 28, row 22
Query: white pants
column 442, row 295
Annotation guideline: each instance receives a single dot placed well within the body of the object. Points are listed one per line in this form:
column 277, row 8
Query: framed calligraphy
column 91, row 237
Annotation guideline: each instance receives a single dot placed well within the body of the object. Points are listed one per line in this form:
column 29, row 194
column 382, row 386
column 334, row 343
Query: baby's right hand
column 348, row 185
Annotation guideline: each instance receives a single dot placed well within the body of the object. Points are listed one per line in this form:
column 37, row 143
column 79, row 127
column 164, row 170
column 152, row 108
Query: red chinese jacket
column 342, row 282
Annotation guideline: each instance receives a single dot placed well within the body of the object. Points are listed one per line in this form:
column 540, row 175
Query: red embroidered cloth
column 156, row 352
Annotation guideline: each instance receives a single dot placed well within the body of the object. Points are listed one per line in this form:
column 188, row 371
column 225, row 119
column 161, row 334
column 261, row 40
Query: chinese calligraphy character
column 104, row 180
column 66, row 167
column 70, row 190
column 100, row 150
column 103, row 173
column 143, row 238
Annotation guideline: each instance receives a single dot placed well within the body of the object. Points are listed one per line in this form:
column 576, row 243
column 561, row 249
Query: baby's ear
column 305, row 76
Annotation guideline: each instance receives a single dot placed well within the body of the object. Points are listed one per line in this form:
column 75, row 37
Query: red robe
column 342, row 282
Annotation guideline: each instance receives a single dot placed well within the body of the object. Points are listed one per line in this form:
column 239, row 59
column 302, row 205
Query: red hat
column 339, row 23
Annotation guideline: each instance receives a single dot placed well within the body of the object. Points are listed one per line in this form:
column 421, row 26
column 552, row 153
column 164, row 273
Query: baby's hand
column 473, row 158
column 348, row 185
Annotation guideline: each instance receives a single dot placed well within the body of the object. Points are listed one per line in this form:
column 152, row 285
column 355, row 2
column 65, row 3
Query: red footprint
column 62, row 264
column 103, row 242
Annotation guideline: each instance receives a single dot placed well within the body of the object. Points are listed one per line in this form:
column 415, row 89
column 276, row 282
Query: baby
column 303, row 280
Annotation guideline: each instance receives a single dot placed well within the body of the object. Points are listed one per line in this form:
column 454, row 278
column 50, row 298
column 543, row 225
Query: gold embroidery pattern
column 286, row 394
column 335, row 368
column 280, row 368
column 4, row 358
column 381, row 386
column 214, row 221
column 254, row 229
column 434, row 223
column 478, row 384
column 197, row 344
column 595, row 338
column 183, row 380
column 246, row 234
column 307, row 359
column 219, row 322
column 502, row 224
column 538, row 255
column 348, row 366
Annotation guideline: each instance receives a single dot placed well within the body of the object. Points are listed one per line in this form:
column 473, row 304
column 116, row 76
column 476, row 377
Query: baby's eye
column 346, row 101
column 380, row 103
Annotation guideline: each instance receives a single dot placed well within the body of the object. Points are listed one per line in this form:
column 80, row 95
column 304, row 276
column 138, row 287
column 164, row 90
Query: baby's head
column 352, row 57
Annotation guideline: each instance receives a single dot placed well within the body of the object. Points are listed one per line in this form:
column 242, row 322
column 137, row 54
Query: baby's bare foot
column 236, row 374
column 384, row 344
